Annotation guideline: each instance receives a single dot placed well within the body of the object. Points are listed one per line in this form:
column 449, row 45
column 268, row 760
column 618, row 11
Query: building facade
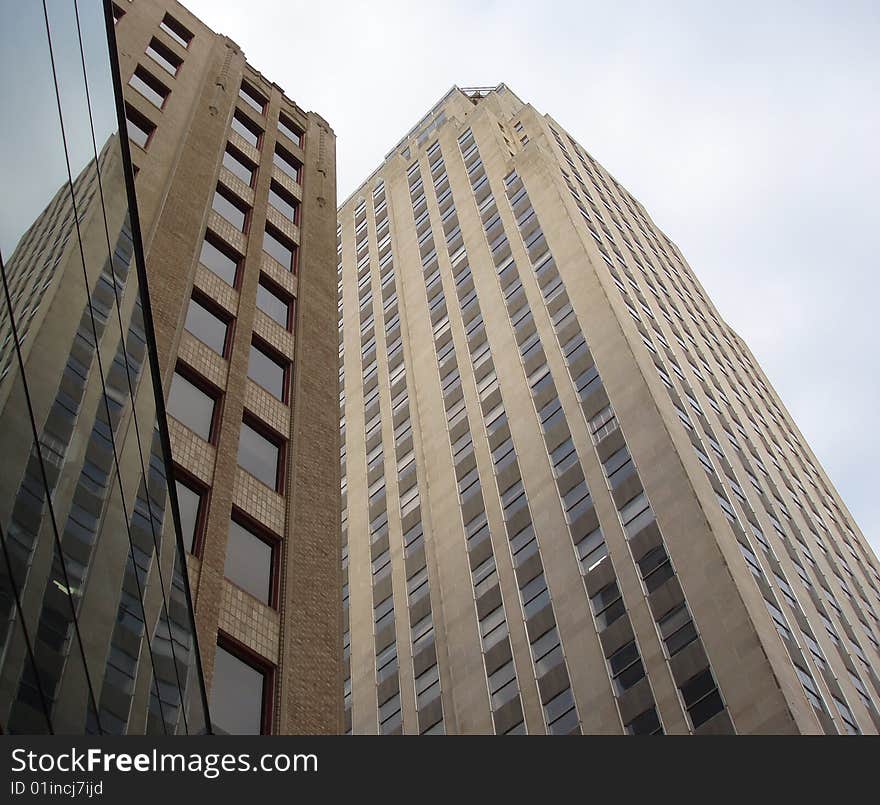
column 571, row 500
column 236, row 194
column 97, row 633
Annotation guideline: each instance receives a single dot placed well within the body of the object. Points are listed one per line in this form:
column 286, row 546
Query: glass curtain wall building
column 572, row 502
column 96, row 622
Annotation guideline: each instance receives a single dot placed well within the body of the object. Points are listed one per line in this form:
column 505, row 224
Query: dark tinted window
column 164, row 57
column 279, row 247
column 287, row 163
column 245, row 128
column 222, row 263
column 273, row 305
column 230, row 208
column 252, row 98
column 139, row 128
column 237, row 696
column 249, row 561
column 176, row 31
column 190, row 502
column 258, row 455
column 236, row 162
column 207, row 326
column 289, row 129
column 266, row 371
column 282, row 201
column 191, row 406
column 148, row 86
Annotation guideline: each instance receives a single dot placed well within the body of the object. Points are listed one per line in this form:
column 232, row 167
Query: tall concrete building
column 236, row 192
column 572, row 502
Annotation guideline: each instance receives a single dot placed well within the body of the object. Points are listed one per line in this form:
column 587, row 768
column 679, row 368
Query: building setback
column 571, row 500
column 236, row 190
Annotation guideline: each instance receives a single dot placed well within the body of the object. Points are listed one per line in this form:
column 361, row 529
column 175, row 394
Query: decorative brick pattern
column 250, row 621
column 260, row 502
column 273, row 334
column 268, row 408
column 203, row 359
column 278, row 273
column 195, row 455
column 283, row 224
column 244, row 146
column 292, row 187
column 219, row 225
column 237, row 186
column 221, row 292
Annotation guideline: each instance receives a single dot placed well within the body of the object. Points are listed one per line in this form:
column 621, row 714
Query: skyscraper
column 96, row 623
column 236, row 190
column 571, row 500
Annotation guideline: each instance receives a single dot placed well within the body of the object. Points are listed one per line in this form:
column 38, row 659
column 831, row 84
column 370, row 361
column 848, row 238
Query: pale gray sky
column 749, row 131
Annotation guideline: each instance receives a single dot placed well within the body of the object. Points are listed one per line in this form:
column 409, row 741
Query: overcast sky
column 749, row 132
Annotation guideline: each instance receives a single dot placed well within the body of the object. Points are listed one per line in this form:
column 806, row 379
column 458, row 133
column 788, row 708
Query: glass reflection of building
column 96, row 624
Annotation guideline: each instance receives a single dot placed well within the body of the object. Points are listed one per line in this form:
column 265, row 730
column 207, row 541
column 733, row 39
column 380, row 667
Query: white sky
column 749, row 132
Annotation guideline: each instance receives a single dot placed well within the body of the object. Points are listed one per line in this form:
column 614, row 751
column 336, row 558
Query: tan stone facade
column 187, row 116
column 571, row 500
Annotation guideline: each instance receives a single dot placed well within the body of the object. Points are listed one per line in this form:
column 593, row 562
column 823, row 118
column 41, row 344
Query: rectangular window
column 290, row 129
column 149, row 86
column 250, row 561
column 268, row 370
column 176, row 31
column 191, row 404
column 239, row 164
column 701, row 697
column 246, row 129
column 220, row 259
column 287, row 163
column 260, row 455
column 139, row 129
column 280, row 247
column 240, row 694
column 285, row 203
column 206, row 325
column 230, row 208
column 164, row 57
column 191, row 498
column 275, row 303
column 252, row 98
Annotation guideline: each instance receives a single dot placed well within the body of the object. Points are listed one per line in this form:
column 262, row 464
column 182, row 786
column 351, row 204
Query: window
column 118, row 13
column 250, row 561
column 176, row 31
column 290, row 129
column 285, row 203
column 239, row 164
column 278, row 246
column 646, row 723
column 220, row 259
column 286, row 162
column 260, row 455
column 268, row 371
column 139, row 129
column 190, row 502
column 231, row 208
column 149, row 86
column 655, row 568
column 635, row 515
column 207, row 326
column 701, row 697
column 625, row 666
column 164, row 57
column 275, row 304
column 239, row 695
column 191, row 405
column 607, row 606
column 677, row 629
column 246, row 129
column 251, row 97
